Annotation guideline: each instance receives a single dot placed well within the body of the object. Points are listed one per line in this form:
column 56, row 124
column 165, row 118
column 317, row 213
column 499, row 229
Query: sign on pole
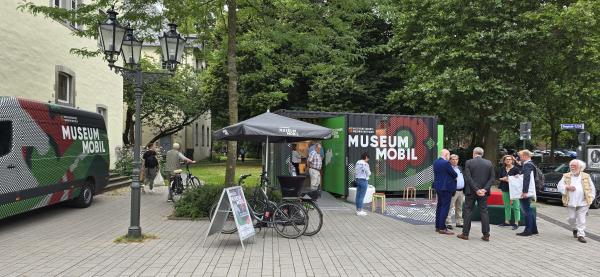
column 593, row 157
column 237, row 205
column 525, row 130
column 572, row 126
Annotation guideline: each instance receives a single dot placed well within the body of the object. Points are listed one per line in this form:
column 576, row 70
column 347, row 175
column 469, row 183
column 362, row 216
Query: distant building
column 36, row 64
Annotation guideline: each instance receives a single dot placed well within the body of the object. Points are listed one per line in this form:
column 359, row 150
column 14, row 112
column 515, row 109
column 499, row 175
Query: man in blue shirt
column 458, row 199
column 444, row 183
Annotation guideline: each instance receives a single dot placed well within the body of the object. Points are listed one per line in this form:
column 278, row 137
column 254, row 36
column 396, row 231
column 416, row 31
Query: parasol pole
column 266, row 162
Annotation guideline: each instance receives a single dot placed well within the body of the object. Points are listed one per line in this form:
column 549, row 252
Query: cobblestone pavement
column 79, row 242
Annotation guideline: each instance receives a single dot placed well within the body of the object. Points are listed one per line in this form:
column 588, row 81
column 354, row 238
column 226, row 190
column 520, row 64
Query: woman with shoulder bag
column 508, row 168
column 150, row 166
column 361, row 177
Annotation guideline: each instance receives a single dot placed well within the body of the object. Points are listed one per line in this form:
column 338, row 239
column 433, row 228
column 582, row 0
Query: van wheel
column 86, row 196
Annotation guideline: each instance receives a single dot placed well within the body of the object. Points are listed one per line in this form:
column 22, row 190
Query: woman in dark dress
column 509, row 168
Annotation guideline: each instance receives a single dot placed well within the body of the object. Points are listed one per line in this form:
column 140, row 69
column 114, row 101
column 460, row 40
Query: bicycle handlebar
column 243, row 177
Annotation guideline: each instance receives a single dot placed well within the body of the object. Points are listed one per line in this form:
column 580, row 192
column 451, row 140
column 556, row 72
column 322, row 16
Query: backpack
column 538, row 177
column 150, row 161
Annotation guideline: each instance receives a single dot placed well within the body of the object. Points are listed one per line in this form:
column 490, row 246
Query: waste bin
column 291, row 186
column 368, row 196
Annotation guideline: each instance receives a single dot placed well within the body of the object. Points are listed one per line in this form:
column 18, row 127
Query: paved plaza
column 79, row 242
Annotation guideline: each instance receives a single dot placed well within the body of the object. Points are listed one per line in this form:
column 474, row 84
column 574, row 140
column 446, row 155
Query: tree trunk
column 554, row 132
column 128, row 126
column 491, row 145
column 231, row 88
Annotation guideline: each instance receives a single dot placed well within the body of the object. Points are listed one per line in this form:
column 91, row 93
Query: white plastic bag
column 159, row 180
column 515, row 186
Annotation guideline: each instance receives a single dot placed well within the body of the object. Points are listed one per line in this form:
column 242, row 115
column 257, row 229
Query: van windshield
column 5, row 137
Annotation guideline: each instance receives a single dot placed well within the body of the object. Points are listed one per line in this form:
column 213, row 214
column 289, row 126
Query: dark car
column 551, row 179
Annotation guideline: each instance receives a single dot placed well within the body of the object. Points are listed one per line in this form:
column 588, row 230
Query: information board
column 593, row 157
column 232, row 201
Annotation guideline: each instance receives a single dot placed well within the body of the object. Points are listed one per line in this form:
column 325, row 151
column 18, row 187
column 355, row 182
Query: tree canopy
column 480, row 66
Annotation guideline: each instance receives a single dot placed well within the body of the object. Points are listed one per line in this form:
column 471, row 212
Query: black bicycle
column 177, row 186
column 289, row 219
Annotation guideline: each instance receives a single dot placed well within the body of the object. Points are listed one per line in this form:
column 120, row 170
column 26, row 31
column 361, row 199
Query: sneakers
column 361, row 213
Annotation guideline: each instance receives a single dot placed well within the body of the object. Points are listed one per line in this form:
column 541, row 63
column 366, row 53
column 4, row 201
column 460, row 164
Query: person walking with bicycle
column 361, row 175
column 174, row 159
column 150, row 166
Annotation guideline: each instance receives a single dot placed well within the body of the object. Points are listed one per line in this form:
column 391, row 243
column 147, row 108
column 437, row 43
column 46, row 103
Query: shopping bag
column 159, row 180
column 515, row 186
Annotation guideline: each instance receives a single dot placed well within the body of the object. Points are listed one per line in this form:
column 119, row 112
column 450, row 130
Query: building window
column 101, row 109
column 202, row 135
column 5, row 137
column 65, row 86
column 207, row 136
column 196, row 136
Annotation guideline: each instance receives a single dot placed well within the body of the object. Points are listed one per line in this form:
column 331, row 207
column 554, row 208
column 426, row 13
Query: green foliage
column 126, row 239
column 166, row 105
column 196, row 203
column 124, row 163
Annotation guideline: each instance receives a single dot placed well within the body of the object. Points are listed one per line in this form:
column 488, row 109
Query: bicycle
column 315, row 216
column 176, row 185
column 289, row 219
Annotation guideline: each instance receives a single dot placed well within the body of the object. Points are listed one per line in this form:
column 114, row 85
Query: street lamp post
column 116, row 40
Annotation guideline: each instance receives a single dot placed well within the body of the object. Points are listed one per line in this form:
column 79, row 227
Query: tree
column 564, row 59
column 463, row 63
column 231, row 87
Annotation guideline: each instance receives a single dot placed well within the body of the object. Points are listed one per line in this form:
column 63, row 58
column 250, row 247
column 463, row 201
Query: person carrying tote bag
column 361, row 177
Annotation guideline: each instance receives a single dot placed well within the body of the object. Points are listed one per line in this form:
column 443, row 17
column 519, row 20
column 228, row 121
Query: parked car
column 549, row 190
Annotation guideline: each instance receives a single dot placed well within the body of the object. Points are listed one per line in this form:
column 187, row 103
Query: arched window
column 196, row 136
column 202, row 135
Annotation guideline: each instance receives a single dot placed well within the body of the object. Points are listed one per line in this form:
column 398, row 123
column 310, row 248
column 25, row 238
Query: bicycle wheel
column 192, row 183
column 290, row 220
column 175, row 191
column 229, row 227
column 315, row 217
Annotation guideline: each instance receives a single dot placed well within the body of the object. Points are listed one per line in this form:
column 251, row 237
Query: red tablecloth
column 495, row 198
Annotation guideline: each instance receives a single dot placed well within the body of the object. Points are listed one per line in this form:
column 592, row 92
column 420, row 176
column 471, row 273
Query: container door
column 334, row 162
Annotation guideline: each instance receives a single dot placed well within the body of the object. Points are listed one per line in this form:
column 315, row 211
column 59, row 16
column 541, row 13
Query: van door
column 7, row 166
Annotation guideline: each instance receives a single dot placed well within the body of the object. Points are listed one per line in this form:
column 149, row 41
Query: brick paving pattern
column 62, row 241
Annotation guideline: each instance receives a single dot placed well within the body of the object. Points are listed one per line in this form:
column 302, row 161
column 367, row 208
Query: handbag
column 159, row 180
column 515, row 185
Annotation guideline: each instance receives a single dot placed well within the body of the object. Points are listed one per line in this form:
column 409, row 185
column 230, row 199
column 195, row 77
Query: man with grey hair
column 479, row 176
column 525, row 201
column 578, row 192
column 458, row 197
column 444, row 183
column 315, row 162
column 173, row 162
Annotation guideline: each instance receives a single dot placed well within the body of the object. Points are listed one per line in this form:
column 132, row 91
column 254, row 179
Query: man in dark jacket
column 525, row 201
column 444, row 183
column 479, row 176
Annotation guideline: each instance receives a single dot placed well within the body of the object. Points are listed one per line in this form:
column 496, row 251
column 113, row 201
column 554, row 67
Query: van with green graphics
column 49, row 154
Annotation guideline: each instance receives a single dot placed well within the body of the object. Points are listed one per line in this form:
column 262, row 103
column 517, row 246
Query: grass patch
column 126, row 239
column 214, row 172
